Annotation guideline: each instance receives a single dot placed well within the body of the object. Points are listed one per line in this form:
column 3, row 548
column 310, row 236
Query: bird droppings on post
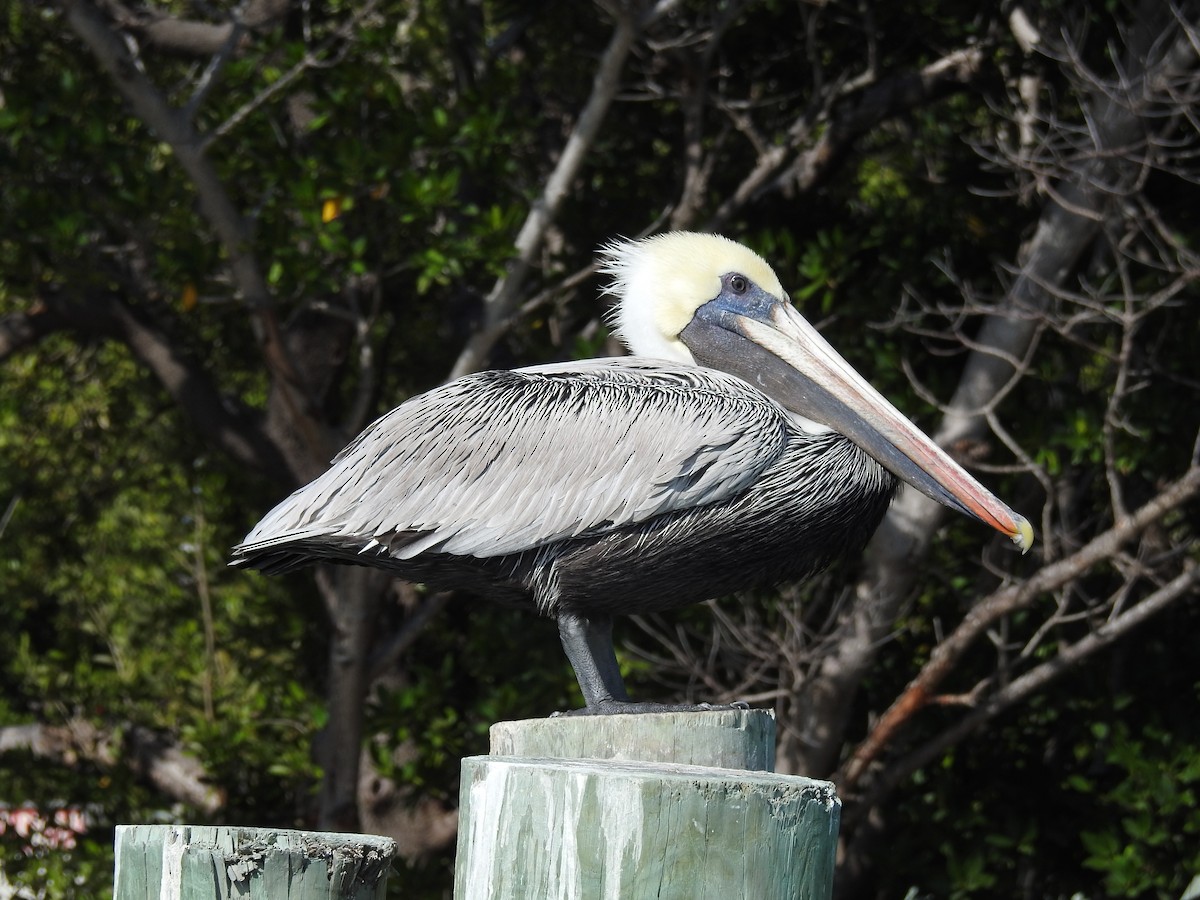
column 245, row 861
column 365, row 862
column 226, row 862
column 735, row 448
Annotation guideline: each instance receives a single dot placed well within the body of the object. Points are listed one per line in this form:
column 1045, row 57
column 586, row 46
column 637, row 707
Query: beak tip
column 1023, row 536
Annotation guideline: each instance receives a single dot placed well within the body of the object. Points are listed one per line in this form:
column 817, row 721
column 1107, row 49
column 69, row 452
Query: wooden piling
column 674, row 805
column 170, row 862
column 721, row 738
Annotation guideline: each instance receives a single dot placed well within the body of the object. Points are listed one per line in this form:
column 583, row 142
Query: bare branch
column 698, row 165
column 148, row 755
column 328, row 53
column 224, row 425
column 384, row 658
column 215, row 64
column 232, row 230
column 989, row 610
column 174, row 128
column 1036, row 679
column 189, row 37
column 846, row 116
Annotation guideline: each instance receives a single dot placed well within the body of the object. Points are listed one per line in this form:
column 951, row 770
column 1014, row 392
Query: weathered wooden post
column 172, row 862
column 673, row 805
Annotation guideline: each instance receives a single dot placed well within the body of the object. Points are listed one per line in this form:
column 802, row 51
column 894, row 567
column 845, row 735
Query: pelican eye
column 738, row 284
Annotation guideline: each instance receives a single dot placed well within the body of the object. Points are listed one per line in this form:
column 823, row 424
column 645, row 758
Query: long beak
column 786, row 357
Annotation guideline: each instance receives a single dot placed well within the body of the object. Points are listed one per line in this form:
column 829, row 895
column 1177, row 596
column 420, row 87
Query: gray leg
column 589, row 646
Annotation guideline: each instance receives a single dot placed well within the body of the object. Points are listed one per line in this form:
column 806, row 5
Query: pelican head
column 706, row 300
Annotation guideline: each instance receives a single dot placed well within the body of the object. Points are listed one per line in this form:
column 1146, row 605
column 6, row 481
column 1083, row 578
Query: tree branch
column 1027, row 684
column 232, row 431
column 147, row 754
column 504, row 297
column 188, row 37
column 173, row 127
column 311, row 59
column 384, row 658
column 949, row 652
column 848, row 117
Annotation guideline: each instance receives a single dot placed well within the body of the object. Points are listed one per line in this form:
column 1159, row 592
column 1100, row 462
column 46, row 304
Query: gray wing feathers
column 502, row 462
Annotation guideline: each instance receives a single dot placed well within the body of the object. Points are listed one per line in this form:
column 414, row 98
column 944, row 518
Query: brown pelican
column 735, row 447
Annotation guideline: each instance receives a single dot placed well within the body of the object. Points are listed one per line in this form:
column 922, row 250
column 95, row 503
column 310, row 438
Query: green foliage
column 1147, row 840
column 114, row 512
column 83, row 872
column 825, row 264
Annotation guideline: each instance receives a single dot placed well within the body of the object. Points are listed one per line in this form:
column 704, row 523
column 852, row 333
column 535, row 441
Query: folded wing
column 502, row 462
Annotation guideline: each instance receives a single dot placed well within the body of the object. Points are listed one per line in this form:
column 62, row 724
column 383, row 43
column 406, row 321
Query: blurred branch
column 13, row 502
column 384, row 658
column 172, row 126
column 148, row 755
column 216, row 64
column 701, row 151
column 188, row 37
column 101, row 314
column 318, row 57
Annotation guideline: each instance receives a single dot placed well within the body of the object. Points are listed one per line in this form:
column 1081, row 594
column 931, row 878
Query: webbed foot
column 630, row 707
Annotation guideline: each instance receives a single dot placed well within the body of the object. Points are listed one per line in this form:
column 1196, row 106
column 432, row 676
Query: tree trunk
column 352, row 595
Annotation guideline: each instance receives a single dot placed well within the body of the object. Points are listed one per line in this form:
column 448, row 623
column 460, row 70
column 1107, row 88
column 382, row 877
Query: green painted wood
column 559, row 828
column 197, row 862
column 724, row 738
